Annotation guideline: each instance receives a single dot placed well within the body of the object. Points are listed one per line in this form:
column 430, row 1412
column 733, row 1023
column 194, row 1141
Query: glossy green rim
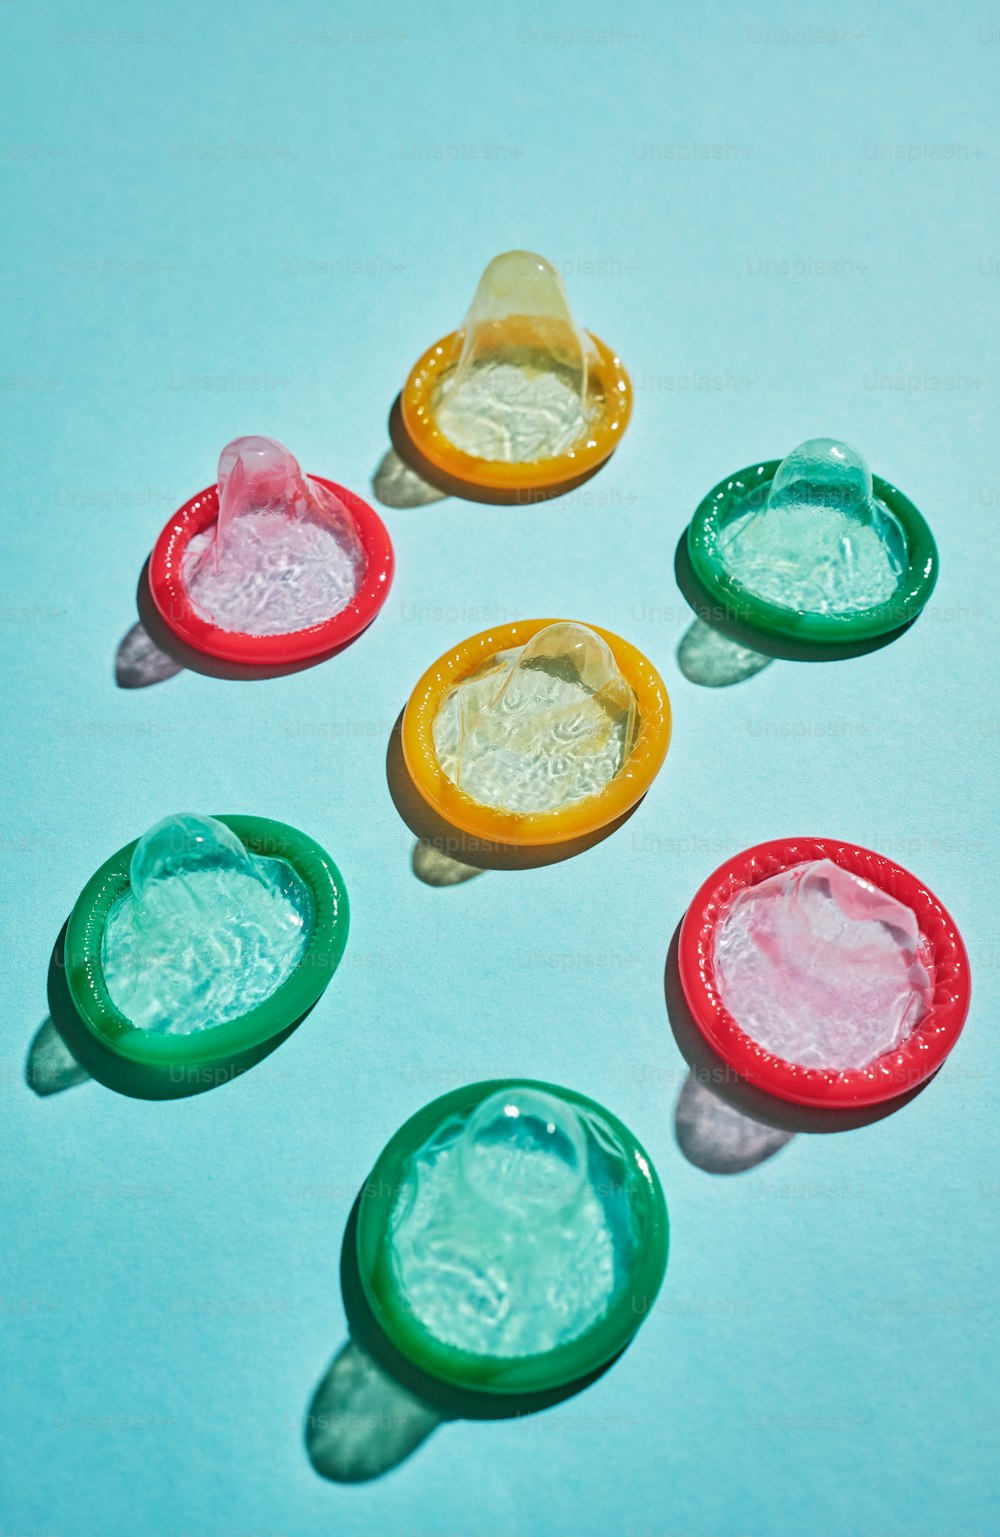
column 288, row 1003
column 507, row 1374
column 911, row 596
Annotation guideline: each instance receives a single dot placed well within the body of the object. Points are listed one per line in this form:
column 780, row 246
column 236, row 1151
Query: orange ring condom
column 607, row 382
column 534, row 828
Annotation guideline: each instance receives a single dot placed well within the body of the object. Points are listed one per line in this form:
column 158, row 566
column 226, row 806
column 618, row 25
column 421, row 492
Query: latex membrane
column 282, row 555
column 821, row 968
column 518, row 390
column 822, row 542
column 513, row 1229
column 541, row 727
column 205, row 930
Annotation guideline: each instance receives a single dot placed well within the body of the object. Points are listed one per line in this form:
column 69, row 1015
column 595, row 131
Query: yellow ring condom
column 589, row 454
column 520, row 315
column 542, row 827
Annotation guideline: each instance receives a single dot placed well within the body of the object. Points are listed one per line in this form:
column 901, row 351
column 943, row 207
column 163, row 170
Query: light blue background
column 823, row 1358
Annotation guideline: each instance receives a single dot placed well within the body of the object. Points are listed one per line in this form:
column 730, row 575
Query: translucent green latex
column 821, row 543
column 205, row 931
column 512, row 1231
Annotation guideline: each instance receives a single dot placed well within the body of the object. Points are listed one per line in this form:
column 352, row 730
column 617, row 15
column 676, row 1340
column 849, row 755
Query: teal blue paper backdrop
column 234, row 219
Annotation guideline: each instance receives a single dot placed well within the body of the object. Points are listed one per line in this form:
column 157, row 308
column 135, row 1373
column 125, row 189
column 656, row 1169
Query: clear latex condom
column 536, row 733
column 205, row 938
column 270, row 566
column 519, row 398
column 511, row 1237
column 206, row 930
column 824, row 973
column 813, row 548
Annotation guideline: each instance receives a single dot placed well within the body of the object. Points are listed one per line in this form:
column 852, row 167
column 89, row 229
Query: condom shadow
column 723, row 1124
column 150, row 652
column 717, row 650
column 373, row 1407
column 396, row 485
column 445, row 855
column 48, row 1070
column 426, row 482
column 51, row 1067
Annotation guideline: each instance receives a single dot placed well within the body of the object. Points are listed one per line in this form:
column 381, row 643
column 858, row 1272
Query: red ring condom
column 179, row 615
column 894, row 1073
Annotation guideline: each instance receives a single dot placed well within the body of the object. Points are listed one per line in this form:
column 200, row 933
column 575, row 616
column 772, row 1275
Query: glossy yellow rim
column 602, row 438
column 537, row 827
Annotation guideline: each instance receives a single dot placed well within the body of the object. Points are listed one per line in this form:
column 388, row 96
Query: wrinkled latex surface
column 822, row 543
column 283, row 554
column 821, row 968
column 205, row 930
column 538, row 728
column 513, row 1229
column 518, row 390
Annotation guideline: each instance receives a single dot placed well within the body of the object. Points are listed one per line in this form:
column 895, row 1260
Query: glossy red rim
column 889, row 1076
column 178, row 613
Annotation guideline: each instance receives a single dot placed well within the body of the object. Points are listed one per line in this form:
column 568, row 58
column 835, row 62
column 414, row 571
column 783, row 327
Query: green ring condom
column 915, row 584
column 219, row 1043
column 540, row 1372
